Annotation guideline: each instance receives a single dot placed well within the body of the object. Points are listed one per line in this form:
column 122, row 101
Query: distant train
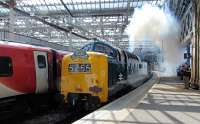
column 95, row 73
column 29, row 75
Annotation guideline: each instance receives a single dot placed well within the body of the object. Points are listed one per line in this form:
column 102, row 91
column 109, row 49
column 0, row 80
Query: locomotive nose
column 85, row 73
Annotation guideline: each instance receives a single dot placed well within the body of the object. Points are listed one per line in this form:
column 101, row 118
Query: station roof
column 83, row 7
column 58, row 20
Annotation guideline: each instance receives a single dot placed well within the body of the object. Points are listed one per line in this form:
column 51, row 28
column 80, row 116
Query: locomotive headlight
column 96, row 81
column 78, row 88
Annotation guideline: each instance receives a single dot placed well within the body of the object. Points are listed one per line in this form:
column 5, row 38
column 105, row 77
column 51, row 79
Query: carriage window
column 140, row 66
column 41, row 61
column 6, row 68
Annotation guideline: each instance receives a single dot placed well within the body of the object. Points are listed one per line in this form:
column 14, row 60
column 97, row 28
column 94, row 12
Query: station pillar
column 195, row 77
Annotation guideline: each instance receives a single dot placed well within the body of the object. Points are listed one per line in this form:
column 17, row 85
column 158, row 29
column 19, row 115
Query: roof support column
column 102, row 26
column 11, row 25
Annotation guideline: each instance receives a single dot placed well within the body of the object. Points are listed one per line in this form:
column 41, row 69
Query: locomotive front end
column 85, row 78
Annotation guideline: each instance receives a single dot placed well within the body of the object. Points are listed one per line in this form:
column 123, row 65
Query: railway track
column 58, row 116
column 62, row 115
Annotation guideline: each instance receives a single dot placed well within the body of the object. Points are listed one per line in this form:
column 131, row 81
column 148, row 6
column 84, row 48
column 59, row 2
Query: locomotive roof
column 102, row 42
column 132, row 55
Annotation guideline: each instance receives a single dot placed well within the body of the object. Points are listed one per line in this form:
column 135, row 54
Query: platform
column 166, row 102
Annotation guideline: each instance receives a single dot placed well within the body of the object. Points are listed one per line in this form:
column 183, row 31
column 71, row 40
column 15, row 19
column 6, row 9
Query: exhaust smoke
column 150, row 23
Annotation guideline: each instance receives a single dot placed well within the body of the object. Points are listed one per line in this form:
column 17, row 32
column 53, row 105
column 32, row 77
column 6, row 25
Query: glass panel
column 6, row 68
column 140, row 66
column 107, row 5
column 109, row 51
column 42, row 8
column 61, row 7
column 70, row 7
column 28, row 9
column 41, row 61
column 100, row 48
column 87, row 47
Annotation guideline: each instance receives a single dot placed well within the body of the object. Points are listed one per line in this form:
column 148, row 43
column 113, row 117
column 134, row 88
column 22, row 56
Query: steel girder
column 106, row 19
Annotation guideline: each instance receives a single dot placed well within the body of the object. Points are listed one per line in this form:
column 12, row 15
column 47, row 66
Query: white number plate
column 79, row 68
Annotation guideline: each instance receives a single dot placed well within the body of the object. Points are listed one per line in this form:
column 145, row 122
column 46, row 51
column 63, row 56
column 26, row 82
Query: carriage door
column 41, row 68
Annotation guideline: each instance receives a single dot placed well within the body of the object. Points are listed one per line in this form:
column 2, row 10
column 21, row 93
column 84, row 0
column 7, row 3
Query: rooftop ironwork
column 65, row 21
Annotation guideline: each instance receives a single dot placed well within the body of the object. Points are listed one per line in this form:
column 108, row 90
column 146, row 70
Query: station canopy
column 71, row 22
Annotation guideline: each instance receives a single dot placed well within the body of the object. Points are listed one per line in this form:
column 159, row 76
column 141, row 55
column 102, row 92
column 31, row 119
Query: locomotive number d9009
column 79, row 68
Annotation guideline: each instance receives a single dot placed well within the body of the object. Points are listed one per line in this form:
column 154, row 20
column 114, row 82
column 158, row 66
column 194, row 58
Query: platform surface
column 165, row 103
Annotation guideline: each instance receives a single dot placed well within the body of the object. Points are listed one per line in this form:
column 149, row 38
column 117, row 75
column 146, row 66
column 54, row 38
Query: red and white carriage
column 28, row 71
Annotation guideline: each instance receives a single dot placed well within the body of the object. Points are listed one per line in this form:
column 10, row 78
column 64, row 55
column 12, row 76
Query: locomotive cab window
column 41, row 61
column 87, row 47
column 105, row 49
column 6, row 68
column 100, row 48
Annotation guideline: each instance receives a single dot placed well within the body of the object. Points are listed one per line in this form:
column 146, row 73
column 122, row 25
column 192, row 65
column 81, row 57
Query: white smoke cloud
column 154, row 24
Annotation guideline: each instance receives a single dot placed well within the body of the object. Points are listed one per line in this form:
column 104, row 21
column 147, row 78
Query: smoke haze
column 155, row 24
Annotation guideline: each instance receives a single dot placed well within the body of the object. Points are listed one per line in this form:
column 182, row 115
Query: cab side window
column 110, row 52
column 6, row 67
column 105, row 49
